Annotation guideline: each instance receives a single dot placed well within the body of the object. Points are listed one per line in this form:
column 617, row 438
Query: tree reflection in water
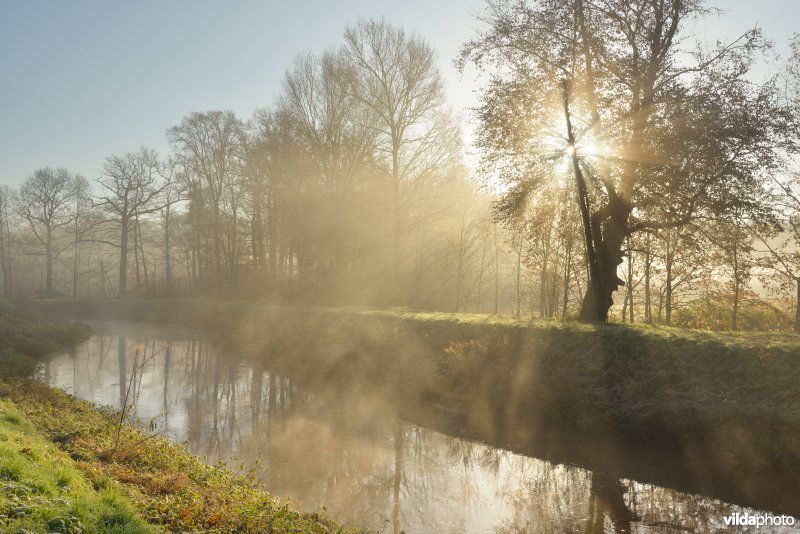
column 341, row 443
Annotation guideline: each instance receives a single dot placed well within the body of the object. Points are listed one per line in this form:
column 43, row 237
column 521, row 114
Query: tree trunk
column 234, row 244
column 75, row 260
column 606, row 255
column 257, row 230
column 459, row 271
column 797, row 308
column 5, row 245
column 167, row 252
column 668, row 288
column 519, row 273
column 648, row 312
column 217, row 246
column 479, row 304
column 552, row 305
column 668, row 297
column 496, row 270
column 604, row 235
column 625, row 308
column 543, row 278
column 567, row 265
column 272, row 243
column 136, row 255
column 630, row 279
column 49, row 259
column 736, row 281
column 122, row 291
column 735, row 314
column 144, row 261
column 400, row 298
column 3, row 253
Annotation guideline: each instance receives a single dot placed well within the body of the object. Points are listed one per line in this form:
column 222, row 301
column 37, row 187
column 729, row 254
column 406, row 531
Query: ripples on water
column 345, row 446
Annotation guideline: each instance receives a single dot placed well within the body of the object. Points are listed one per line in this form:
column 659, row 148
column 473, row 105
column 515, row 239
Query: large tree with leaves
column 653, row 134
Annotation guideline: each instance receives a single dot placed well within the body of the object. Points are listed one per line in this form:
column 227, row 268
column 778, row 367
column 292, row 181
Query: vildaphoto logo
column 758, row 520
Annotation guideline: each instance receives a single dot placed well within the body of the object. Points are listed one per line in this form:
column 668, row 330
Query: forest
column 621, row 171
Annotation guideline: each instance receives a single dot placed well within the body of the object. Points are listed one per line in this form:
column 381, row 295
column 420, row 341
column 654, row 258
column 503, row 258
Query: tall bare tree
column 394, row 75
column 82, row 203
column 174, row 192
column 44, row 202
column 208, row 145
column 5, row 241
column 335, row 133
column 130, row 188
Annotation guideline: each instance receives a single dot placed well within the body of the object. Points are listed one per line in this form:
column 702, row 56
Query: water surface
column 348, row 448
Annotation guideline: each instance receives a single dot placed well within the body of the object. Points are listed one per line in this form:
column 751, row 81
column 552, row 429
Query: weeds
column 67, row 466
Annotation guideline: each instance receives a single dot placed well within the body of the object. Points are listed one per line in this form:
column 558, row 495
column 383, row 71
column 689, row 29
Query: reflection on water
column 344, row 446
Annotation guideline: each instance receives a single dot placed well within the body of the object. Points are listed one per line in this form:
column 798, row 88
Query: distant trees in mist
column 622, row 175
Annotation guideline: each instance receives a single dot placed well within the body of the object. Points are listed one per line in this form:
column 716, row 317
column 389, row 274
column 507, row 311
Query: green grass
column 41, row 490
column 168, row 487
column 732, row 392
column 221, row 315
column 62, row 468
column 35, row 336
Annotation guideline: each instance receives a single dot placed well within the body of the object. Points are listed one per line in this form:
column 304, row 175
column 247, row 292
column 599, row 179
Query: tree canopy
column 655, row 133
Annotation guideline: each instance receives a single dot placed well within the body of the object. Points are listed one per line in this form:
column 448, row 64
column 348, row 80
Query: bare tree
column 174, row 192
column 82, row 203
column 338, row 141
column 271, row 154
column 394, row 75
column 208, row 146
column 44, row 202
column 131, row 187
column 5, row 241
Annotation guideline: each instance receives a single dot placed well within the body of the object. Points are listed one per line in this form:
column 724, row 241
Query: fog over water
column 347, row 448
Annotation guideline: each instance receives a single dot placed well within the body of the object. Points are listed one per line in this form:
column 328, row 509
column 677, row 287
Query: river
column 352, row 450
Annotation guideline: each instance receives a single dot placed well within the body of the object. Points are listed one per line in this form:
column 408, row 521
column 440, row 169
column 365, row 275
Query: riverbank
column 67, row 466
column 632, row 378
column 719, row 408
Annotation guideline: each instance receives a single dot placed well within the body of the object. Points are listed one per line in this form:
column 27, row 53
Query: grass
column 732, row 396
column 41, row 490
column 62, row 468
column 34, row 336
column 168, row 487
column 727, row 405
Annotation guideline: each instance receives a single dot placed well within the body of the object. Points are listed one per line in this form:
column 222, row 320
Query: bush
column 755, row 315
column 15, row 365
column 34, row 336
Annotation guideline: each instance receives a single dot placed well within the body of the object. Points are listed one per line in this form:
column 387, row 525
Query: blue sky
column 80, row 80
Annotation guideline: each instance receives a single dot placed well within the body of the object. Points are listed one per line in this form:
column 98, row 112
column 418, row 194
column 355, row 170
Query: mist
column 574, row 305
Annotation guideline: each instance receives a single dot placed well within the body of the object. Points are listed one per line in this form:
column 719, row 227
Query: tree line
column 622, row 175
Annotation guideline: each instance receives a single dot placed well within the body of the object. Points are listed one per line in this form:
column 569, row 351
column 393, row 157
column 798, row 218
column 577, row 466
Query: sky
column 82, row 80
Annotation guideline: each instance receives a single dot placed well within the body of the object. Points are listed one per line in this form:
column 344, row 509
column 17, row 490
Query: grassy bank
column 719, row 407
column 43, row 491
column 66, row 466
column 629, row 378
